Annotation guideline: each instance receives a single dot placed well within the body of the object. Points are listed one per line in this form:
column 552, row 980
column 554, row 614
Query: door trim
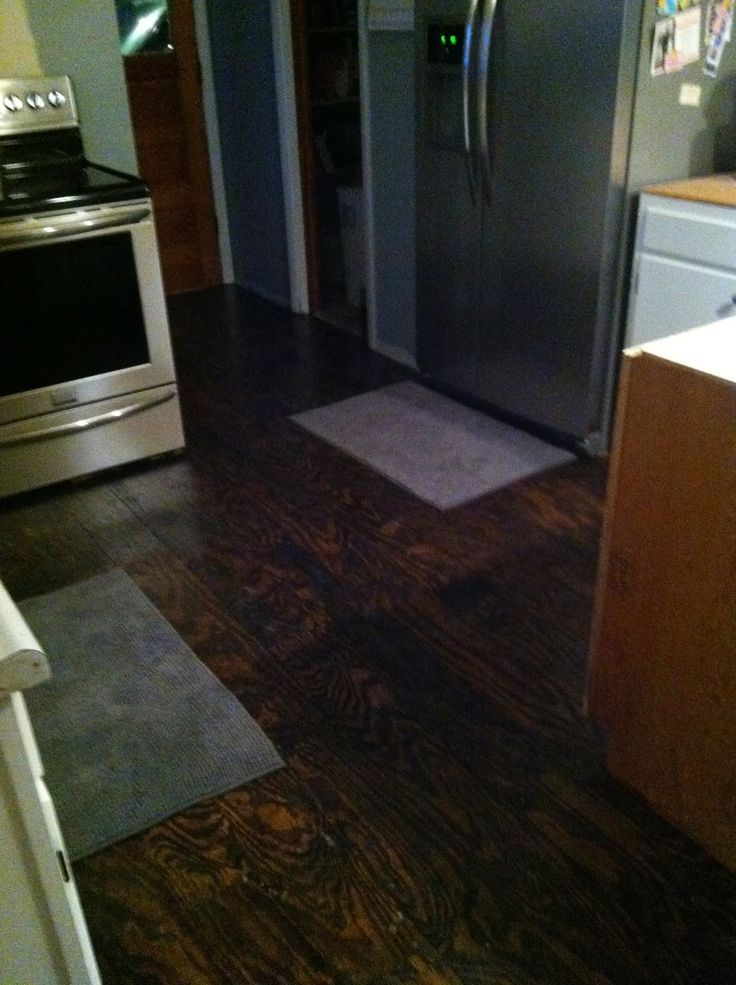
column 367, row 165
column 283, row 55
column 212, row 129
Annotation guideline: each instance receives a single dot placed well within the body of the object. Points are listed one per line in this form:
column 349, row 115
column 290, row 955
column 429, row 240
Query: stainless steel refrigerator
column 537, row 123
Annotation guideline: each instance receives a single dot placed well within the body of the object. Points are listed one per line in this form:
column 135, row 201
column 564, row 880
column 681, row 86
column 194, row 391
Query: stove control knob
column 12, row 103
column 35, row 100
column 56, row 98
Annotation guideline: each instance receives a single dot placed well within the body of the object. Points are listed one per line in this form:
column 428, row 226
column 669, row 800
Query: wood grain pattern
column 663, row 681
column 716, row 189
column 164, row 92
column 444, row 817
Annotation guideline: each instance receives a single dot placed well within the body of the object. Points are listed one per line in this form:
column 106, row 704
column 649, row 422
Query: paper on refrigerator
column 718, row 26
column 676, row 42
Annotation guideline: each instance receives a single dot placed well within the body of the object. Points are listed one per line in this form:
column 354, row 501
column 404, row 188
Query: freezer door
column 552, row 86
column 448, row 209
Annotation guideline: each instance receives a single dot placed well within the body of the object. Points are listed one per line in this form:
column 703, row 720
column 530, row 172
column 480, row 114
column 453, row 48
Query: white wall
column 18, row 52
column 80, row 39
column 247, row 112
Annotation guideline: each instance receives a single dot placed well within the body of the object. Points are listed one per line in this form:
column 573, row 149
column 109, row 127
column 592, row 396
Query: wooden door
column 164, row 90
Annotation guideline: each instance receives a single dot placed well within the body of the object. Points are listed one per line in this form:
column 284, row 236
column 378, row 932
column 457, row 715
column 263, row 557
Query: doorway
column 159, row 48
column 328, row 108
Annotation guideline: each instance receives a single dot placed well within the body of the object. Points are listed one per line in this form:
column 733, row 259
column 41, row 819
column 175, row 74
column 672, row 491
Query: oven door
column 84, row 315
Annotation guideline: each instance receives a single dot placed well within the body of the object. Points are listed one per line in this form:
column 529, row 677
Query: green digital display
column 444, row 44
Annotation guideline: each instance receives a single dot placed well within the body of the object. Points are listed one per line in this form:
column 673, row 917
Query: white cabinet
column 43, row 935
column 684, row 269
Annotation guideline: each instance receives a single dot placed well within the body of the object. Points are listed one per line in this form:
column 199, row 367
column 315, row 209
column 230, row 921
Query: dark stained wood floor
column 444, row 816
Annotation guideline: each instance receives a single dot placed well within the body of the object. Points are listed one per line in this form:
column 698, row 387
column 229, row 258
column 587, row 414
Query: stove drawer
column 83, row 440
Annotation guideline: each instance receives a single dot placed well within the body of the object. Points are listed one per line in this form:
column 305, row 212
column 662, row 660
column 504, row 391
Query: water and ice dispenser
column 443, row 82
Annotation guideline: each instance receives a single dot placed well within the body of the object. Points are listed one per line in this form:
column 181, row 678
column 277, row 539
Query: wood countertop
column 716, row 189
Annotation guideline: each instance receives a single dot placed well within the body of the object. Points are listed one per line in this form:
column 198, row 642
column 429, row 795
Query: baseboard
column 282, row 302
column 397, row 353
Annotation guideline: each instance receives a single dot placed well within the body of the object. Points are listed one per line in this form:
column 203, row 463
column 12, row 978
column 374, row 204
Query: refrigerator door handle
column 486, row 39
column 468, row 48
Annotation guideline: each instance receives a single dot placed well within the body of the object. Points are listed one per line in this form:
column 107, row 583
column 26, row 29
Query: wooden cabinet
column 684, row 268
column 165, row 97
column 662, row 680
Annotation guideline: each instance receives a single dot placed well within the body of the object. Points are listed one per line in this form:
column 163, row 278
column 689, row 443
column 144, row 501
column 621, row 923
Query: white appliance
column 87, row 377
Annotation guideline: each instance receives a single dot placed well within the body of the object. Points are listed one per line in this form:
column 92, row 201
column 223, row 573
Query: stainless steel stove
column 87, row 376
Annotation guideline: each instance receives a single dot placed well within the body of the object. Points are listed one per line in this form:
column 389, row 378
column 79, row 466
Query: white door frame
column 366, row 151
column 283, row 54
column 209, row 104
column 283, row 57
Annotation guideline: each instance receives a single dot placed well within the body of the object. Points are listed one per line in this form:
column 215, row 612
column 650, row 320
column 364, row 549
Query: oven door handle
column 40, row 230
column 75, row 427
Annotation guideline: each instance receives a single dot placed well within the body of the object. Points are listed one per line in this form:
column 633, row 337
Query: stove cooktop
column 66, row 187
column 42, row 162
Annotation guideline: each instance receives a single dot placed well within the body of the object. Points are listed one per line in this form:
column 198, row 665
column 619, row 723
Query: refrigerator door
column 670, row 140
column 552, row 91
column 448, row 190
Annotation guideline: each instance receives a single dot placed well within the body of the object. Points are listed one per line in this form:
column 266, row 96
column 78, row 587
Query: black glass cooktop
column 65, row 185
column 47, row 171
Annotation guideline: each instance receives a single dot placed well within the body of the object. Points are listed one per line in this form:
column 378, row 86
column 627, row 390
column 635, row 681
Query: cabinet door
column 670, row 296
column 43, row 934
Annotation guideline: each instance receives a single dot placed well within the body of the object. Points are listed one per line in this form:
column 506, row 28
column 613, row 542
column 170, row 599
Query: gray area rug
column 132, row 727
column 443, row 452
